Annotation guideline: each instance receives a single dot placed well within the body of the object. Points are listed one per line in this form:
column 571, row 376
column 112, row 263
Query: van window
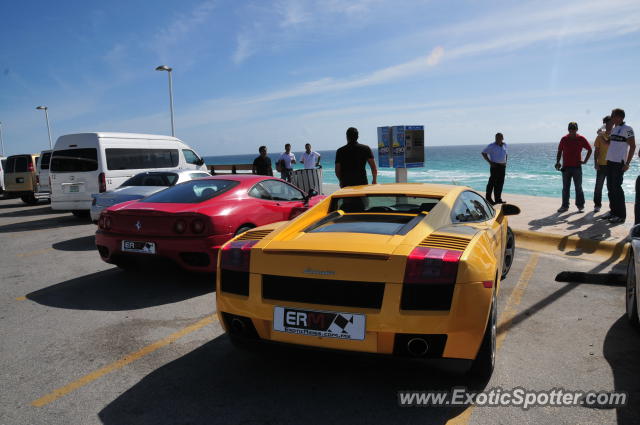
column 74, row 160
column 45, row 161
column 135, row 159
column 190, row 157
column 9, row 164
column 20, row 164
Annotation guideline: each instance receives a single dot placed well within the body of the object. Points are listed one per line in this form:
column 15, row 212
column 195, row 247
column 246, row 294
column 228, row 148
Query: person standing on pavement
column 351, row 161
column 570, row 150
column 310, row 159
column 622, row 146
column 496, row 155
column 286, row 160
column 601, row 146
column 262, row 163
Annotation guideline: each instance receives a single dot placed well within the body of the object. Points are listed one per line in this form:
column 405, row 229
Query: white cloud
column 243, row 48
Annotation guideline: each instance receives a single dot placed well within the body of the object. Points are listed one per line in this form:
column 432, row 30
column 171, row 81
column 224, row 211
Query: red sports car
column 188, row 223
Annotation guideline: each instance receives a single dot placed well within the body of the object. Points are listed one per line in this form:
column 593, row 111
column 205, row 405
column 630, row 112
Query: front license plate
column 138, row 246
column 327, row 324
column 74, row 188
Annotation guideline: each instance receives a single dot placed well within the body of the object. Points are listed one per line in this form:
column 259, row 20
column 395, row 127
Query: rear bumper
column 70, row 205
column 455, row 334
column 199, row 255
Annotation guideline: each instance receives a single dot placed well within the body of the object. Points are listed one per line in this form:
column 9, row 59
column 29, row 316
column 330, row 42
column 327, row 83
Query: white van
column 3, row 162
column 43, row 187
column 87, row 163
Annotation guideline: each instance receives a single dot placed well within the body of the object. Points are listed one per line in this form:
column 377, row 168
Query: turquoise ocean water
column 530, row 169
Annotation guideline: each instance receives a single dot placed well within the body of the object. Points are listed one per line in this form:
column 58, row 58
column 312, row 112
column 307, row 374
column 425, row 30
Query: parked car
column 43, row 184
column 20, row 177
column 87, row 163
column 188, row 222
column 139, row 186
column 633, row 287
column 400, row 269
column 3, row 162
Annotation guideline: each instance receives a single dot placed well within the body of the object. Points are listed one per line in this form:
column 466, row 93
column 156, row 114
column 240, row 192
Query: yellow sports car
column 400, row 269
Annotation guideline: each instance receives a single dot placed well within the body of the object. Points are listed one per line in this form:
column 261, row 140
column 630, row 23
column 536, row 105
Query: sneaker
column 500, row 201
column 616, row 220
column 607, row 216
column 596, row 209
column 563, row 209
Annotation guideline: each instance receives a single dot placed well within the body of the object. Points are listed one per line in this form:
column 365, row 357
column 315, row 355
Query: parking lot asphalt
column 86, row 343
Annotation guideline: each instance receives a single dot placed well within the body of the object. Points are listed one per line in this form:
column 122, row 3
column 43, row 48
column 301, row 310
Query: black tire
column 509, row 253
column 29, row 199
column 631, row 297
column 127, row 265
column 483, row 364
column 80, row 213
column 243, row 229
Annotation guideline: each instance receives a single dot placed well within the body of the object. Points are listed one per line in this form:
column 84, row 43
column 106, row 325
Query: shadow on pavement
column 115, row 290
column 45, row 223
column 84, row 243
column 622, row 351
column 217, row 383
column 46, row 209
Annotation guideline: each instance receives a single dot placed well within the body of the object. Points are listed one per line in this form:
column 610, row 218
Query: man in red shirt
column 570, row 150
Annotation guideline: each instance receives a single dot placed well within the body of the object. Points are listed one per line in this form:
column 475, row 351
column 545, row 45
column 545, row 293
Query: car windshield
column 192, row 192
column 380, row 224
column 401, row 204
column 152, row 179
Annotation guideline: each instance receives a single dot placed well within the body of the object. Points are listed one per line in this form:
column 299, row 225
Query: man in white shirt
column 622, row 146
column 496, row 155
column 310, row 159
column 286, row 160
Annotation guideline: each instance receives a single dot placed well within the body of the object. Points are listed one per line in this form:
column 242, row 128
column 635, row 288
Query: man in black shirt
column 262, row 164
column 351, row 161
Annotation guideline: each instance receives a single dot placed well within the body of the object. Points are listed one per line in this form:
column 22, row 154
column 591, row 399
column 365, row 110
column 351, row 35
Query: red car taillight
column 37, row 179
column 30, row 166
column 180, row 226
column 236, row 255
column 432, row 265
column 197, row 226
column 102, row 183
column 104, row 222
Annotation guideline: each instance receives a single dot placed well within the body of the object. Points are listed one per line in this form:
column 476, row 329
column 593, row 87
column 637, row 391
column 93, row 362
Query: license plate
column 74, row 188
column 138, row 246
column 20, row 180
column 326, row 324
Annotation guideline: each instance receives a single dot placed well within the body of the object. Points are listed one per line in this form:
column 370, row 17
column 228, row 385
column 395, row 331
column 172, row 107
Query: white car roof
column 112, row 135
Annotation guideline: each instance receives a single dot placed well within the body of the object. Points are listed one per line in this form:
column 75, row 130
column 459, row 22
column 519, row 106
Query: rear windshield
column 383, row 224
column 18, row 164
column 74, row 160
column 384, row 204
column 44, row 159
column 136, row 159
column 192, row 192
column 152, row 179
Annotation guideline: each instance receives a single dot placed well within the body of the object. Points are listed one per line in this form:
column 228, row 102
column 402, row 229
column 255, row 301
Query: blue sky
column 248, row 73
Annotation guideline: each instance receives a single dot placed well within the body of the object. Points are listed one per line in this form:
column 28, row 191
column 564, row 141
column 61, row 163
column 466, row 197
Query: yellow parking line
column 23, row 298
column 509, row 313
column 35, row 252
column 78, row 383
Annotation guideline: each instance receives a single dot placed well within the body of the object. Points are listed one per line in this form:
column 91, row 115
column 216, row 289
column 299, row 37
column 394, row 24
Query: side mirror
column 310, row 195
column 200, row 161
column 509, row 209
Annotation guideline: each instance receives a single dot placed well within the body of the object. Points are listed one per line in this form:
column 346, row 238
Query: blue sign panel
column 384, row 146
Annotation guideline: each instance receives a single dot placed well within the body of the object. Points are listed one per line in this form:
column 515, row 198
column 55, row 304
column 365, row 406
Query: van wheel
column 80, row 213
column 29, row 199
column 482, row 366
column 243, row 229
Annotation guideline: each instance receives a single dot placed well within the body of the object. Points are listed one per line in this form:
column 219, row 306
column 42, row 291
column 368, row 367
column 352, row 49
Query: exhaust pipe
column 238, row 326
column 417, row 347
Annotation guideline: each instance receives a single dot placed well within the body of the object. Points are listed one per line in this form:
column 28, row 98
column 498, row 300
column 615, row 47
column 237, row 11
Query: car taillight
column 432, row 265
column 236, row 255
column 197, row 226
column 30, row 166
column 104, row 222
column 102, row 183
column 180, row 226
column 37, row 179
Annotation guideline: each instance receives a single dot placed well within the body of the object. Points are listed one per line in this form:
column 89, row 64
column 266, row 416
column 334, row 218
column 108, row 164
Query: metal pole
column 46, row 117
column 173, row 132
column 1, row 141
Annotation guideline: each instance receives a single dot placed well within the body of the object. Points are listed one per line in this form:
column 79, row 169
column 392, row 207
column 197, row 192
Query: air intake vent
column 254, row 235
column 445, row 242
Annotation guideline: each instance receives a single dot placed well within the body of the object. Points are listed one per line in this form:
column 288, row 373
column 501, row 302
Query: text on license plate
column 327, row 324
column 74, row 188
column 138, row 246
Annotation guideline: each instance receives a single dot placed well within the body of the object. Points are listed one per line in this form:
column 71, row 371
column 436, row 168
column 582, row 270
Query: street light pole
column 168, row 69
column 1, row 141
column 46, row 117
